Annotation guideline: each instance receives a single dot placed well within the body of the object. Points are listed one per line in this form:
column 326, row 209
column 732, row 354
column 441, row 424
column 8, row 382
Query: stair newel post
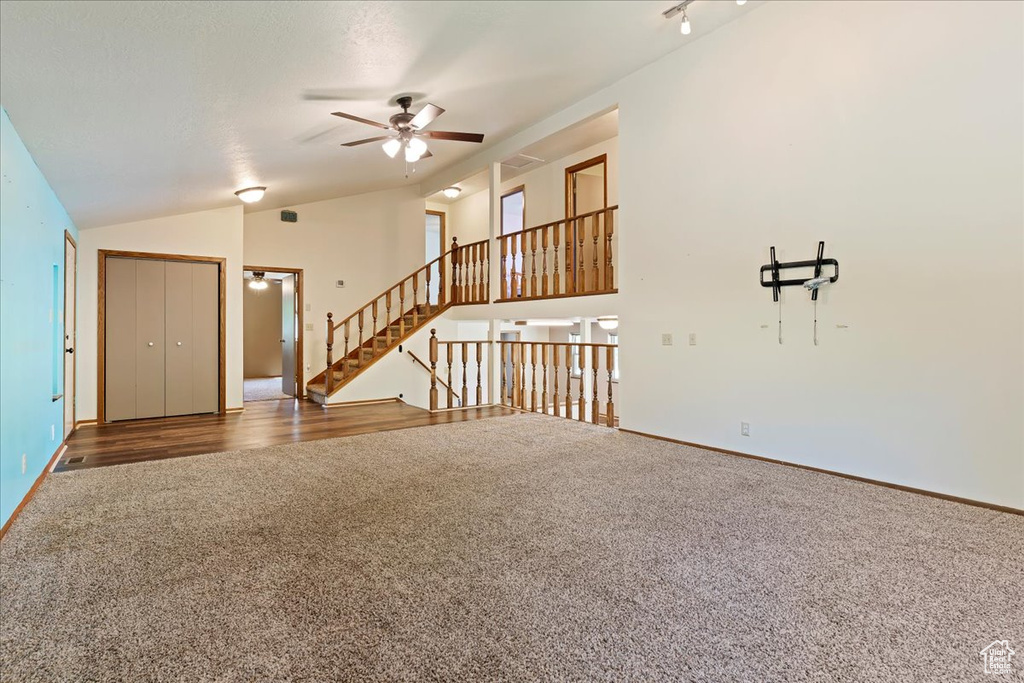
column 554, row 374
column 544, row 260
column 595, row 359
column 533, row 379
column 555, row 284
column 506, row 287
column 479, row 373
column 433, row 369
column 344, row 362
column 610, row 409
column 465, row 357
column 455, row 270
column 609, row 273
column 401, row 309
column 485, row 290
column 450, row 359
column 568, row 380
column 415, row 299
column 373, row 330
column 387, row 316
column 544, row 379
column 329, row 381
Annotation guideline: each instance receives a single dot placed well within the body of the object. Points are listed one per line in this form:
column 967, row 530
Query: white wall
column 371, row 241
column 205, row 233
column 894, row 134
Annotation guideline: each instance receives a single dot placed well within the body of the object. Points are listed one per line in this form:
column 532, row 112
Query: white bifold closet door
column 162, row 338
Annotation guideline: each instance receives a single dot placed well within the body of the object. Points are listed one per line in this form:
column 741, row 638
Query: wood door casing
column 70, row 331
column 288, row 374
column 300, row 377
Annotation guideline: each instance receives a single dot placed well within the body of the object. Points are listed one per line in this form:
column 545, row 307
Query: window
column 614, row 339
column 575, row 370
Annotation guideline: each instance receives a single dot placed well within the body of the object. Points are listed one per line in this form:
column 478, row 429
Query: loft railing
column 576, row 381
column 452, row 396
column 568, row 257
column 414, row 298
column 468, row 361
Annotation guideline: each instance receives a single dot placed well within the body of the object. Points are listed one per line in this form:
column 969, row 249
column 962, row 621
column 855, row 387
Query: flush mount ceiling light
column 546, row 323
column 258, row 280
column 741, row 2
column 451, row 192
column 684, row 26
column 251, row 194
column 608, row 322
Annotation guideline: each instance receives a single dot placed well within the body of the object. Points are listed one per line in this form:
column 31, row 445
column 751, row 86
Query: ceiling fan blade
column 365, row 141
column 445, row 135
column 426, row 155
column 426, row 115
column 360, row 120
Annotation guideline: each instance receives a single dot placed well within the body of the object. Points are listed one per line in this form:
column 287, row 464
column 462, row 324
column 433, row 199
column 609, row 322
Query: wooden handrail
column 427, row 368
column 531, row 266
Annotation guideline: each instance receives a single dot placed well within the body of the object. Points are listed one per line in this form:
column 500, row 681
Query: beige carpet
column 262, row 389
column 519, row 548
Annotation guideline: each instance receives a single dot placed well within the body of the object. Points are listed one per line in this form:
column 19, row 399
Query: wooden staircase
column 459, row 276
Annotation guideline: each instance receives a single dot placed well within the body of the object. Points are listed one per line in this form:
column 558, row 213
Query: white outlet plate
column 693, row 339
column 744, row 429
column 666, row 340
column 309, row 327
column 309, row 307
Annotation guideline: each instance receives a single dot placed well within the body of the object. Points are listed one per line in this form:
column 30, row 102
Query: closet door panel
column 119, row 333
column 149, row 386
column 205, row 337
column 178, row 318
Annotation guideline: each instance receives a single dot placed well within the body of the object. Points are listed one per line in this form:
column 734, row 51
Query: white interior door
column 70, row 268
column 288, row 335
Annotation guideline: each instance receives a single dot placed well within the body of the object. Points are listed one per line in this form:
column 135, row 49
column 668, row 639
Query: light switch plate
column 309, row 327
column 309, row 307
column 693, row 339
column 666, row 340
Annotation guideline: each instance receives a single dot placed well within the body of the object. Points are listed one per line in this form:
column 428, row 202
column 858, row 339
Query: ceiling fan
column 406, row 131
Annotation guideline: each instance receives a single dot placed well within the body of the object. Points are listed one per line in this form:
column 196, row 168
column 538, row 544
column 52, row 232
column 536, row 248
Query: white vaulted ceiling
column 142, row 109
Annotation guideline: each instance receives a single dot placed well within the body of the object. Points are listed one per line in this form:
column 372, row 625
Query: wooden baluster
column 471, row 278
column 465, row 356
column 555, row 284
column 609, row 269
column 426, row 275
column 596, row 407
column 401, row 309
column 544, row 261
column 597, row 266
column 554, row 369
column 387, row 316
column 373, row 330
column 506, row 280
column 455, row 270
column 344, row 363
column 479, row 373
column 521, row 254
column 533, row 381
column 465, row 260
column 361, row 311
column 570, row 268
column 415, row 300
column 522, row 379
column 610, row 408
column 582, row 401
column 581, row 276
column 516, row 350
column 533, row 263
column 504, row 364
column 450, row 391
column 568, row 381
column 485, row 294
column 433, row 369
column 329, row 381
column 544, row 384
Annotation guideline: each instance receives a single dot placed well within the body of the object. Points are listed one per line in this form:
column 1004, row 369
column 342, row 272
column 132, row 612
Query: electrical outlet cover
column 666, row 340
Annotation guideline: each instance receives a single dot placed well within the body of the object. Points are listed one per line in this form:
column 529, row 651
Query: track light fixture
column 684, row 26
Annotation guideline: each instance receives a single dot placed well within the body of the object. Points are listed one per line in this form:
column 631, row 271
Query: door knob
column 149, row 344
column 69, row 350
column 282, row 341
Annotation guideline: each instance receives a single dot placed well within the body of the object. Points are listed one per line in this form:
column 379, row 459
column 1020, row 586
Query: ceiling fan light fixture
column 392, row 146
column 251, row 194
column 417, row 146
column 451, row 192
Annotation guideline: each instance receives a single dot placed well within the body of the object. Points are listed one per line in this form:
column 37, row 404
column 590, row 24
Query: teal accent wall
column 32, row 225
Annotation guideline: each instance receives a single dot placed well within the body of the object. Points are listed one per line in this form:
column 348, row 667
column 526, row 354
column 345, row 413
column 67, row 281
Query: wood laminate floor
column 263, row 423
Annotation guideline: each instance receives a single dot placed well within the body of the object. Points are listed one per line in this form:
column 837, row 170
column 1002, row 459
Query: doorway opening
column 70, row 275
column 586, row 186
column 272, row 359
column 435, row 246
column 513, row 220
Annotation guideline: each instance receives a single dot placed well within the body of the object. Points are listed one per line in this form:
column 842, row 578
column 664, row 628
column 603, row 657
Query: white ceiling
column 141, row 109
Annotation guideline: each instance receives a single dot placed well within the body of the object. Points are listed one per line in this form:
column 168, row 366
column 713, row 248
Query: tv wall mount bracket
column 775, row 269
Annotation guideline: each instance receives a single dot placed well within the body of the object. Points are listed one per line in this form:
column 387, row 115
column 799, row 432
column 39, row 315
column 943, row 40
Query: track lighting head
column 684, row 26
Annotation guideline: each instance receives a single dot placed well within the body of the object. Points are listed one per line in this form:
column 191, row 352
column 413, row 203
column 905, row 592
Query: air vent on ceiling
column 521, row 161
